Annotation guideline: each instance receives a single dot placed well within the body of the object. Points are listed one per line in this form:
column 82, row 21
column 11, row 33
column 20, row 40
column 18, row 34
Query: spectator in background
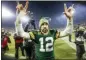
column 31, row 21
column 29, row 48
column 79, row 41
column 4, row 40
column 18, row 43
column 29, row 44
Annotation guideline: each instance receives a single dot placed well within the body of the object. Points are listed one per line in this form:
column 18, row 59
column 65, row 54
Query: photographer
column 27, row 43
column 79, row 41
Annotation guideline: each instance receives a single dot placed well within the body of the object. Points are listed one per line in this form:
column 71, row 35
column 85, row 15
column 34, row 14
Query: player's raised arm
column 17, row 8
column 69, row 15
column 26, row 5
column 19, row 28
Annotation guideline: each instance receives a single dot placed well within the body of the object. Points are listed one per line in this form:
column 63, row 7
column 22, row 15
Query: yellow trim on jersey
column 32, row 35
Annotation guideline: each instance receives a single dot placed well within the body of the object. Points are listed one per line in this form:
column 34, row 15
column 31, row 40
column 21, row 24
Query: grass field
column 63, row 49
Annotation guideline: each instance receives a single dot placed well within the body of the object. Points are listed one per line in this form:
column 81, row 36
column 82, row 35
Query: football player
column 45, row 37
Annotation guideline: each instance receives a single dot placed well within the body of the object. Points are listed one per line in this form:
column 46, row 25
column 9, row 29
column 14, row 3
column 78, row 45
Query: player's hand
column 26, row 5
column 69, row 12
column 17, row 4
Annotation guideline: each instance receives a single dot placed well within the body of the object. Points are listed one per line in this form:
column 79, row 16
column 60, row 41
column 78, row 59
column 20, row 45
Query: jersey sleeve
column 54, row 32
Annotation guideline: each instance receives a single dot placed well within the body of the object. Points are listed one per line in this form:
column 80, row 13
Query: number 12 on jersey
column 48, row 46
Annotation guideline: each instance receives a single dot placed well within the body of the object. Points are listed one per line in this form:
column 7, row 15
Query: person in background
column 31, row 22
column 79, row 41
column 29, row 44
column 4, row 40
column 45, row 37
column 18, row 43
column 29, row 48
column 20, row 11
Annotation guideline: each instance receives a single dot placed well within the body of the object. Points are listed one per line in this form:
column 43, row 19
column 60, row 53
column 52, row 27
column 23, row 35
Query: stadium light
column 6, row 13
column 25, row 19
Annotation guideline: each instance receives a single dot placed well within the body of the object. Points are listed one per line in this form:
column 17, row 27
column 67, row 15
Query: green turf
column 12, row 47
column 61, row 49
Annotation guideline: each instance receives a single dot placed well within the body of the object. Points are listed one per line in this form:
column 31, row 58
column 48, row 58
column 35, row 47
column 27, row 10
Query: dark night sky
column 52, row 9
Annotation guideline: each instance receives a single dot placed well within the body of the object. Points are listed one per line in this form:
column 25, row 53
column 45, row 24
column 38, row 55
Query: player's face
column 44, row 28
